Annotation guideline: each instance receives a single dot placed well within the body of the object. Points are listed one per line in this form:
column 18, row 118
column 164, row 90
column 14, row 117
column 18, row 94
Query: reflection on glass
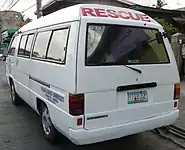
column 123, row 45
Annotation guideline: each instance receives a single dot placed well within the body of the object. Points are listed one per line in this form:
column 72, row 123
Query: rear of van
column 127, row 78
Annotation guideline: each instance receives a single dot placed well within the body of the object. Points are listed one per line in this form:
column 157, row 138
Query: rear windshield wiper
column 137, row 70
column 113, row 63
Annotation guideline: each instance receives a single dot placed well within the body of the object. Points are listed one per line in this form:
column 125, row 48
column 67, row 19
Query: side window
column 13, row 45
column 22, row 45
column 28, row 45
column 41, row 45
column 58, row 44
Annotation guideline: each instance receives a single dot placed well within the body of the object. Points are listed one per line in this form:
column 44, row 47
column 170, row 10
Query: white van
column 95, row 73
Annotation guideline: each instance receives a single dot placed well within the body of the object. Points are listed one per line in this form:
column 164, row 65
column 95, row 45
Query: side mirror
column 159, row 37
column 166, row 35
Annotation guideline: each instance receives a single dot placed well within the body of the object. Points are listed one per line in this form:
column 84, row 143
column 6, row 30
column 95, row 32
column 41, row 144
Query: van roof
column 82, row 11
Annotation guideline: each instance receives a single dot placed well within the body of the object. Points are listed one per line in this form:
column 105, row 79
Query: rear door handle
column 136, row 86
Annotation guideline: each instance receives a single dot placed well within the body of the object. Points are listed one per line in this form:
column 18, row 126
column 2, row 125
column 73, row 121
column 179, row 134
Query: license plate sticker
column 137, row 97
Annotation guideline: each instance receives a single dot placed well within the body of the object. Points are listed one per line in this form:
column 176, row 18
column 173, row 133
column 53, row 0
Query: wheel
column 14, row 97
column 48, row 128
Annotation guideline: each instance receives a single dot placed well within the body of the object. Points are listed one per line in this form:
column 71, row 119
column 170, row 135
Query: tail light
column 76, row 105
column 177, row 91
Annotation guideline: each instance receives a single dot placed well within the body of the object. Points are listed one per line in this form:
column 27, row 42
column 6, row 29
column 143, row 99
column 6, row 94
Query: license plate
column 137, row 97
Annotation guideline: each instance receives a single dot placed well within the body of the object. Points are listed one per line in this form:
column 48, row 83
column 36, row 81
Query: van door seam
column 76, row 78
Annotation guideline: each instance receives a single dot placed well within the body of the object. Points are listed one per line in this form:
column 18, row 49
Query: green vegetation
column 160, row 4
column 169, row 28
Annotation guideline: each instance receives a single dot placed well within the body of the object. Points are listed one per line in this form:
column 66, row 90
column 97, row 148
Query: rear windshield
column 123, row 45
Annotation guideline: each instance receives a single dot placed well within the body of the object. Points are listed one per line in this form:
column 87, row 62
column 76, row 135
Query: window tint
column 22, row 45
column 13, row 45
column 123, row 45
column 28, row 45
column 57, row 47
column 41, row 44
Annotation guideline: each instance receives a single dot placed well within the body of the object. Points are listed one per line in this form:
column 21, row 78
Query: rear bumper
column 82, row 136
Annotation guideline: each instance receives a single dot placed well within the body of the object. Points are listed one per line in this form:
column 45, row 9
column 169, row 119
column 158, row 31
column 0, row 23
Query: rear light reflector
column 79, row 121
column 175, row 104
column 177, row 91
column 76, row 104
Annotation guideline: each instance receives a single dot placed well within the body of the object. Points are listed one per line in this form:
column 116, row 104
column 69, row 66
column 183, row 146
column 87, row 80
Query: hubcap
column 12, row 93
column 46, row 121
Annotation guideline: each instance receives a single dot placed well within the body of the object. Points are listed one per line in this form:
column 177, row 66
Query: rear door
column 125, row 73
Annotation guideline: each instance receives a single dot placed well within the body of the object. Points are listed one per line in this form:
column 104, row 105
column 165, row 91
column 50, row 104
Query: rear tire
column 49, row 131
column 14, row 97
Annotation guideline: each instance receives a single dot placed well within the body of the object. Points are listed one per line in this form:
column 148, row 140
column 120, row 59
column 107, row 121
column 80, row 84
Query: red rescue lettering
column 87, row 12
column 97, row 12
column 112, row 14
column 100, row 12
column 123, row 14
column 145, row 18
column 134, row 16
